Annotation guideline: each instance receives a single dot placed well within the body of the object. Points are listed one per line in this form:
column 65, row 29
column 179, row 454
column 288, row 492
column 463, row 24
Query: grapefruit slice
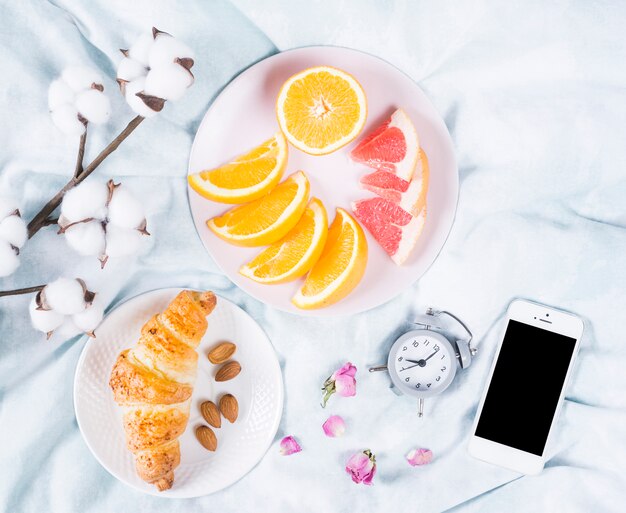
column 267, row 219
column 392, row 147
column 294, row 255
column 321, row 109
column 340, row 267
column 410, row 196
column 250, row 176
column 394, row 229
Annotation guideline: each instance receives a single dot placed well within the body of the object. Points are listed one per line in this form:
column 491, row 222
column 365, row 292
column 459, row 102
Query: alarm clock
column 423, row 362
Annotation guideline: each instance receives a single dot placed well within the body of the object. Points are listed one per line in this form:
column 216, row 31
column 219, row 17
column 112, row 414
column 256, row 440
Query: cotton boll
column 140, row 50
column 169, row 81
column 65, row 296
column 86, row 238
column 44, row 320
column 13, row 230
column 7, row 206
column 9, row 260
column 65, row 117
column 80, row 78
column 130, row 69
column 85, row 200
column 136, row 103
column 94, row 106
column 125, row 210
column 122, row 241
column 89, row 319
column 59, row 93
column 166, row 49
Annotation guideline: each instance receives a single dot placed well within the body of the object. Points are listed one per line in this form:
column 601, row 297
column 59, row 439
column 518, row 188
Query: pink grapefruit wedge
column 395, row 229
column 410, row 196
column 392, row 147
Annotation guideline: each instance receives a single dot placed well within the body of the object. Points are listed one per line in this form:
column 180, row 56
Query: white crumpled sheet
column 533, row 94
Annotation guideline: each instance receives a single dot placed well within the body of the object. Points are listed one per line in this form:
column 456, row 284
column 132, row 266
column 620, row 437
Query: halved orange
column 248, row 177
column 321, row 109
column 294, row 255
column 267, row 219
column 340, row 267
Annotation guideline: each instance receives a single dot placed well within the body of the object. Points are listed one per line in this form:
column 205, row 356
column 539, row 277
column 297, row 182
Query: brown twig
column 39, row 221
column 81, row 153
column 17, row 292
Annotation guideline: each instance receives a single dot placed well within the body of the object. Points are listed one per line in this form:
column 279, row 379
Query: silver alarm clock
column 424, row 362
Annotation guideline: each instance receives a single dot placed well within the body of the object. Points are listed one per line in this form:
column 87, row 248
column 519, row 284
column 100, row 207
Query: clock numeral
column 426, row 342
column 404, row 348
column 443, row 368
column 428, row 384
column 407, row 379
column 443, row 356
column 416, row 343
column 438, row 378
column 418, row 385
column 436, row 347
column 400, row 359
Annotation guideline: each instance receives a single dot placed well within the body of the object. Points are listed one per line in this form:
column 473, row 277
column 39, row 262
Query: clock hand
column 407, row 368
column 434, row 353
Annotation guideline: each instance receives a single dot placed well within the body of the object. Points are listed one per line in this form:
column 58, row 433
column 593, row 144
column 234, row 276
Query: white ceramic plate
column 258, row 389
column 244, row 115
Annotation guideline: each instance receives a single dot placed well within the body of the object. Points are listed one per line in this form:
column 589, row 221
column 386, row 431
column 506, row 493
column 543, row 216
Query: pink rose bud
column 289, row 445
column 362, row 467
column 334, row 426
column 341, row 381
column 418, row 457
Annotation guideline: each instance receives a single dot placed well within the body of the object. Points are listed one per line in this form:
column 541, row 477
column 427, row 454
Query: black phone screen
column 525, row 388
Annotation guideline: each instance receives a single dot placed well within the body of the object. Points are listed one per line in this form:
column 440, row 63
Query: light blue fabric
column 533, row 94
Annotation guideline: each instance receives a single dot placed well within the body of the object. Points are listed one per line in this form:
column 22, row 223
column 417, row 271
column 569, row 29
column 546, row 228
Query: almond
column 222, row 352
column 206, row 437
column 229, row 407
column 228, row 371
column 211, row 413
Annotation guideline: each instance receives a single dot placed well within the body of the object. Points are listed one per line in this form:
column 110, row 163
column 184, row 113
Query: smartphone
column 520, row 405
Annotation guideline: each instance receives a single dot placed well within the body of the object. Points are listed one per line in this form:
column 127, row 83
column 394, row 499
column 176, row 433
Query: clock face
column 422, row 363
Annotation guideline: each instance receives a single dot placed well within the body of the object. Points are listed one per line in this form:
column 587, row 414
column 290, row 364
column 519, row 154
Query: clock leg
column 420, row 407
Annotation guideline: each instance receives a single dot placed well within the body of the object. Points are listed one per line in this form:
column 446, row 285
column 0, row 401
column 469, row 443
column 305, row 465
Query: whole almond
column 222, row 352
column 206, row 437
column 211, row 413
column 228, row 371
column 229, row 407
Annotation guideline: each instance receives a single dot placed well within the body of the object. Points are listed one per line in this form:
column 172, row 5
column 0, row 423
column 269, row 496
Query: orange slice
column 340, row 267
column 267, row 219
column 321, row 109
column 248, row 177
column 293, row 256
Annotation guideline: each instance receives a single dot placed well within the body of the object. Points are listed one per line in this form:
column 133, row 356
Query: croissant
column 153, row 382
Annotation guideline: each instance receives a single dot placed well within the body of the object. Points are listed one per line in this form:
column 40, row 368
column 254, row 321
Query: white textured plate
column 258, row 389
column 244, row 115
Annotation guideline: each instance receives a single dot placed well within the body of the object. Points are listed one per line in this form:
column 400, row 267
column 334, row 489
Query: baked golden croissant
column 154, row 380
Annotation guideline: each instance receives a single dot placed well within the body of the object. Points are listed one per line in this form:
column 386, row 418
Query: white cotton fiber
column 7, row 206
column 86, row 238
column 130, row 69
column 80, row 78
column 85, row 200
column 165, row 50
column 168, row 82
column 65, row 117
column 136, row 103
column 94, row 106
column 140, row 50
column 9, row 261
column 59, row 93
column 13, row 230
column 65, row 296
column 122, row 241
column 44, row 320
column 89, row 319
column 125, row 210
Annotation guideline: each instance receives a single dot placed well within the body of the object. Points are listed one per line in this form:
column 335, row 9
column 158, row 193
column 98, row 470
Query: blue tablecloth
column 533, row 95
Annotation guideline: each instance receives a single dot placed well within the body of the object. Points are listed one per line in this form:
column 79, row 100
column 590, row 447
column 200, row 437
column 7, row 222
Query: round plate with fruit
column 322, row 181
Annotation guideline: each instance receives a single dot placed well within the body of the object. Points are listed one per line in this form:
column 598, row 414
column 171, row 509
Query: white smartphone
column 520, row 405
